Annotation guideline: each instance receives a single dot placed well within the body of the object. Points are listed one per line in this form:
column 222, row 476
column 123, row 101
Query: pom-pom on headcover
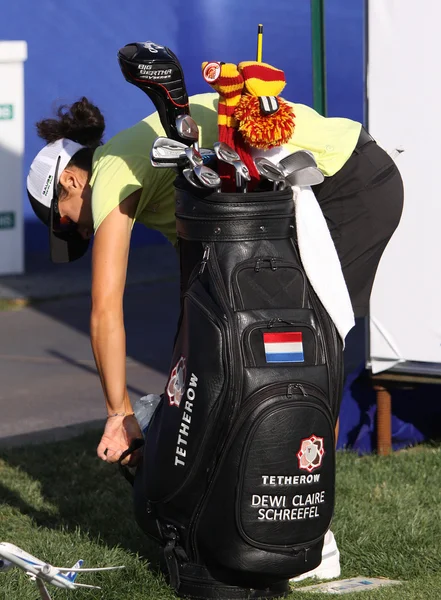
column 265, row 120
column 264, row 131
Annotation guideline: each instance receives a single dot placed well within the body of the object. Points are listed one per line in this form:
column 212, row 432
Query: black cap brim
column 65, row 246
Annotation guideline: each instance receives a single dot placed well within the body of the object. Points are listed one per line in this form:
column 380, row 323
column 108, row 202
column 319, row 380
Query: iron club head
column 208, row 177
column 307, row 176
column 188, row 129
column 272, row 172
column 190, row 177
column 225, row 153
column 167, row 150
column 194, row 157
column 297, row 160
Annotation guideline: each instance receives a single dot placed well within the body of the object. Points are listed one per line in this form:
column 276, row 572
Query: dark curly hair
column 81, row 122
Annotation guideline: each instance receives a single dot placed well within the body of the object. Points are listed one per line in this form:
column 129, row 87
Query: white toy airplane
column 41, row 572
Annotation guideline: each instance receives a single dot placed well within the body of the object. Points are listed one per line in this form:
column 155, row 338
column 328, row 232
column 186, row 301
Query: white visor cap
column 40, row 181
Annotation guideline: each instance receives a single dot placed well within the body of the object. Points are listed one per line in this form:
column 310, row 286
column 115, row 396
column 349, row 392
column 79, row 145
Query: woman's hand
column 119, row 433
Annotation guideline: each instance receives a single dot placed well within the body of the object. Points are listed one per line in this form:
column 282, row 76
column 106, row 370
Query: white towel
column 320, row 260
column 317, row 251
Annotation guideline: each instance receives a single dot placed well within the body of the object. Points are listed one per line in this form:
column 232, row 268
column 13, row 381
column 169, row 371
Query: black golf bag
column 237, row 480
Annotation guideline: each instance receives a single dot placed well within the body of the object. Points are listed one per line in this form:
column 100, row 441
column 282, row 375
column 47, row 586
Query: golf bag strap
column 125, row 469
column 248, row 229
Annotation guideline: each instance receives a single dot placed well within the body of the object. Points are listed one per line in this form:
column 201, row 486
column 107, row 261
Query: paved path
column 49, row 388
column 49, row 385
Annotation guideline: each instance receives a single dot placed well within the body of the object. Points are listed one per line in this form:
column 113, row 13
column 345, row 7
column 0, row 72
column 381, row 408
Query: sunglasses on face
column 60, row 224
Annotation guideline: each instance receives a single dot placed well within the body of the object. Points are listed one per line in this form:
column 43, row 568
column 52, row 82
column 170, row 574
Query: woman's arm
column 109, row 269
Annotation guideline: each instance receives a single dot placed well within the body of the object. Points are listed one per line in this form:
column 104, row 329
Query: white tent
column 404, row 113
column 12, row 58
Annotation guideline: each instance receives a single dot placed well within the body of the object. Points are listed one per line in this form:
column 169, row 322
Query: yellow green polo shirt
column 122, row 165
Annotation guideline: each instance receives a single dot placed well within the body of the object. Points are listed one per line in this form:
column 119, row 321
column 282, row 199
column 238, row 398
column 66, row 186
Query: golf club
column 208, row 155
column 298, row 160
column 187, row 129
column 194, row 157
column 272, row 172
column 190, row 177
column 308, row 176
column 226, row 154
column 163, row 165
column 156, row 71
column 300, row 168
column 168, row 149
column 208, row 177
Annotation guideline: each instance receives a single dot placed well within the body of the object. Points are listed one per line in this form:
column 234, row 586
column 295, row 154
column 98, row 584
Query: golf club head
column 194, row 157
column 242, row 175
column 207, row 155
column 188, row 129
column 156, row 71
column 207, row 177
column 272, row 172
column 297, row 160
column 225, row 152
column 308, row 176
column 163, row 164
column 190, row 177
column 166, row 148
column 241, row 169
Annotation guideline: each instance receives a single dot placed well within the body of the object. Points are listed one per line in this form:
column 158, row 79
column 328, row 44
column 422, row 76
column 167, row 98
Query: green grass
column 59, row 502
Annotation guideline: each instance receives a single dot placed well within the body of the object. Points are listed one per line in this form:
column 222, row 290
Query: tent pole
column 319, row 56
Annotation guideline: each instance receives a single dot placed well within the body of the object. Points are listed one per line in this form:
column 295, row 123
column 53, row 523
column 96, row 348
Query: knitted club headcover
column 228, row 82
column 261, row 130
column 262, row 79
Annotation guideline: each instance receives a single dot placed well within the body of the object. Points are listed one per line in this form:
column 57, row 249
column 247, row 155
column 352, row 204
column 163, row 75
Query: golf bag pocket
column 280, row 337
column 274, row 485
column 268, row 282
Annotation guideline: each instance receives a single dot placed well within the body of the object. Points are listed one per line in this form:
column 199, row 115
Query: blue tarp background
column 72, row 50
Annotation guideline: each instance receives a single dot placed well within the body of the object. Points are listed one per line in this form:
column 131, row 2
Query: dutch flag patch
column 283, row 347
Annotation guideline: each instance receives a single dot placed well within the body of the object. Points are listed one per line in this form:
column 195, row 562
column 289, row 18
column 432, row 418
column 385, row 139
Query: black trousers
column 362, row 204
